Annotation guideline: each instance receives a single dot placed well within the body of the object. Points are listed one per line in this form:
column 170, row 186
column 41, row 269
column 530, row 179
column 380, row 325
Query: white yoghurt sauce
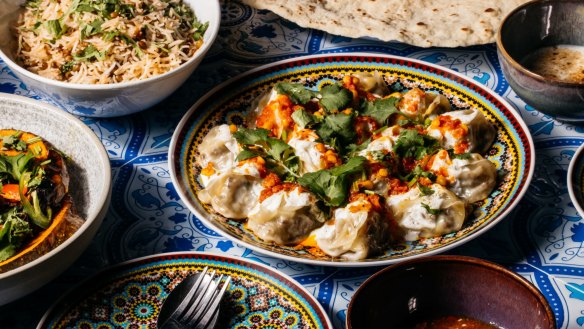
column 562, row 62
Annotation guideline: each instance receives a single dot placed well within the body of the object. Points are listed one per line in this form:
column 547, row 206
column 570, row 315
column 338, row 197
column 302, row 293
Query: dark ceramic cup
column 403, row 295
column 534, row 25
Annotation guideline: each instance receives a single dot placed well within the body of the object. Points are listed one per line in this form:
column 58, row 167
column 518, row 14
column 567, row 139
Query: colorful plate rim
column 182, row 129
column 575, row 180
column 134, row 264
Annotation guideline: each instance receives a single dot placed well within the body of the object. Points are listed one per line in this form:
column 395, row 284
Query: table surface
column 542, row 239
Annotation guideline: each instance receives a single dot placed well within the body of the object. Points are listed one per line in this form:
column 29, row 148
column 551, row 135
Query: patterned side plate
column 512, row 151
column 576, row 180
column 131, row 294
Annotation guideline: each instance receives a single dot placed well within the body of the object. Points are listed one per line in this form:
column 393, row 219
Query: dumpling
column 464, row 131
column 356, row 231
column 423, row 214
column 258, row 105
column 313, row 155
column 286, row 217
column 235, row 192
column 218, row 149
column 373, row 83
column 436, row 104
column 377, row 148
column 472, row 178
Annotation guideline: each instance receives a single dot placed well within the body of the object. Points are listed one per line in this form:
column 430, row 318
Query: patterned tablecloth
column 543, row 239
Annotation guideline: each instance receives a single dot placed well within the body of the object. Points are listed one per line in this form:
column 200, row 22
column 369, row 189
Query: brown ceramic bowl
column 408, row 293
column 532, row 26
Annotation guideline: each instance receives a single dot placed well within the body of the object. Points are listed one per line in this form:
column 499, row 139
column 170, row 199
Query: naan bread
column 424, row 23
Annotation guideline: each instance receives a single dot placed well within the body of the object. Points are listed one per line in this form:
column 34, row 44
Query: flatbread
column 424, row 23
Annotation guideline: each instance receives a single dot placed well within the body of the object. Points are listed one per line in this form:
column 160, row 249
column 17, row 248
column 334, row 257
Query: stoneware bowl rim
column 454, row 259
column 503, row 52
column 201, row 52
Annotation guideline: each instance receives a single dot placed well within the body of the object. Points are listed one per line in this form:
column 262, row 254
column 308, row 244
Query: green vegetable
column 91, row 29
column 34, row 210
column 412, row 144
column 279, row 156
column 297, row 92
column 335, row 97
column 431, row 211
column 335, row 127
column 425, row 190
column 331, row 97
column 303, row 118
column 332, row 185
column 462, row 156
column 380, row 109
column 88, row 54
column 14, row 230
column 413, row 176
column 54, row 26
column 15, row 166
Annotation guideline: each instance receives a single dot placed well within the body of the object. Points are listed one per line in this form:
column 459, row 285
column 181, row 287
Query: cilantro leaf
column 431, row 211
column 335, row 97
column 88, row 54
column 380, row 109
column 412, row 144
column 251, row 136
column 418, row 172
column 296, row 91
column 303, row 118
column 425, row 190
column 339, row 125
column 332, row 185
column 279, row 155
column 54, row 26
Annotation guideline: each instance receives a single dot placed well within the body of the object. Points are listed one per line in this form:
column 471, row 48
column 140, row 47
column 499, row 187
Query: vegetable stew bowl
column 107, row 100
column 89, row 186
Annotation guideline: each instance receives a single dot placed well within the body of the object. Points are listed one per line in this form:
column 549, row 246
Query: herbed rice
column 106, row 41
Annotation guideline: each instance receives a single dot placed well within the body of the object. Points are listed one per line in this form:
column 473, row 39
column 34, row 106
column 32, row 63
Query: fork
column 198, row 308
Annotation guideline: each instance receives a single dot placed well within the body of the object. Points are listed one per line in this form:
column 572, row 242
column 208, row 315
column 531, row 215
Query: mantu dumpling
column 356, row 231
column 313, row 155
column 235, row 192
column 472, row 177
column 428, row 211
column 285, row 217
column 373, row 83
column 218, row 149
column 464, row 131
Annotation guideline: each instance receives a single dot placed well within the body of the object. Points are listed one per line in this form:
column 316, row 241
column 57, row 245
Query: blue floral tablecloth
column 542, row 240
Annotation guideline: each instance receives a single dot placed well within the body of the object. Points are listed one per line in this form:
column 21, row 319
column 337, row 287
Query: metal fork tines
column 202, row 302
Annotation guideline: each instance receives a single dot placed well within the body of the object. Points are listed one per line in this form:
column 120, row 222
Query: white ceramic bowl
column 90, row 187
column 107, row 100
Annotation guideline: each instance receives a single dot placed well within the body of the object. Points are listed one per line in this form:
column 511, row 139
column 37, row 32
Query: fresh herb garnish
column 337, row 129
column 297, row 92
column 88, row 54
column 331, row 97
column 425, row 190
column 431, row 211
column 54, row 26
column 303, row 119
column 462, row 156
column 332, row 185
column 413, row 176
column 412, row 144
column 279, row 156
column 380, row 109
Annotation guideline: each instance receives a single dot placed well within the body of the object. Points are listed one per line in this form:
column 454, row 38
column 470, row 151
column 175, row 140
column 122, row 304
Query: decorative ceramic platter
column 512, row 151
column 576, row 180
column 131, row 294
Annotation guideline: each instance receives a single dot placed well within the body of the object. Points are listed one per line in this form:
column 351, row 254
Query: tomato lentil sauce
column 454, row 322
